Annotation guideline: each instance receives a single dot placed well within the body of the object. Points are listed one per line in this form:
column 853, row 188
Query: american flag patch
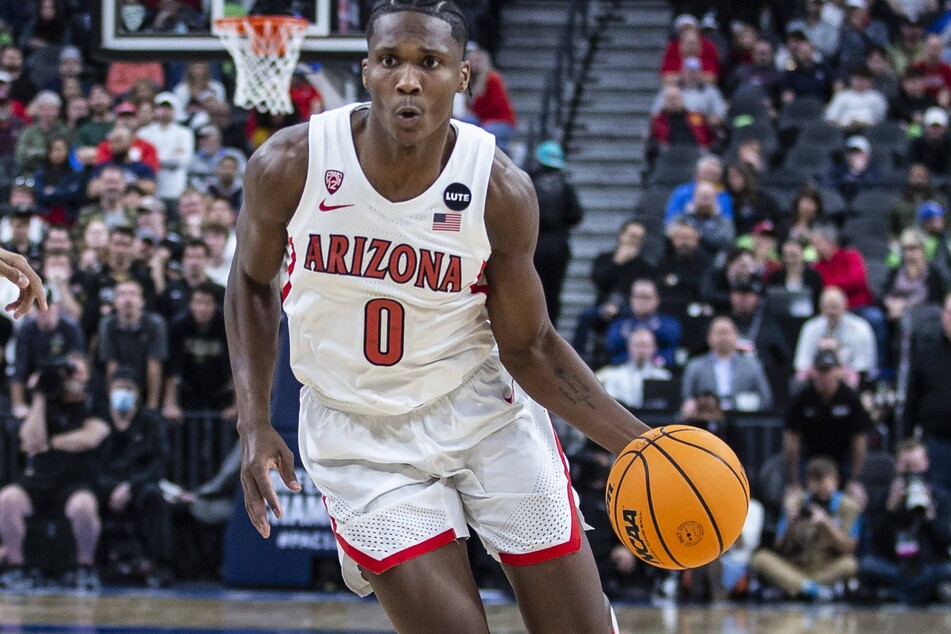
column 447, row 222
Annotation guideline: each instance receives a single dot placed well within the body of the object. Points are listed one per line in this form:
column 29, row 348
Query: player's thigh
column 562, row 594
column 434, row 592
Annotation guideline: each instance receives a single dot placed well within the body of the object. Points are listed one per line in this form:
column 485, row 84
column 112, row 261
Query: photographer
column 911, row 540
column 59, row 436
column 816, row 537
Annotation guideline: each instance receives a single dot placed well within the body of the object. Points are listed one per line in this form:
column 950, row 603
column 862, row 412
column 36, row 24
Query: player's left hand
column 15, row 268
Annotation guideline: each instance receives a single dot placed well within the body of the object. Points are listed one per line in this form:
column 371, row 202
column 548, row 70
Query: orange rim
column 257, row 23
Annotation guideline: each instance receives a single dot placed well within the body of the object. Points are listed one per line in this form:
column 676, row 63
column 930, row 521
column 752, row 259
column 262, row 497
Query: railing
column 198, row 446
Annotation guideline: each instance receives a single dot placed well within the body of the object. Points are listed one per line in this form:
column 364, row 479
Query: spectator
column 123, row 155
column 857, row 171
column 761, row 71
column 689, row 43
column 807, row 212
column 192, row 209
column 737, row 379
column 559, row 211
column 93, row 248
column 134, row 459
column 107, row 192
column 219, row 265
column 642, row 312
column 48, row 26
column 675, row 125
column 933, row 148
column 741, row 44
column 203, row 169
column 937, row 245
column 698, row 96
column 709, row 170
column 758, row 335
column 738, row 267
column 175, row 145
column 489, row 106
column 908, row 107
column 910, row 542
column 93, row 132
column 70, row 68
column 625, row 382
column 908, row 46
column 927, row 406
column 937, row 72
column 859, row 106
column 795, row 276
column 20, row 242
column 135, row 338
column 57, row 272
column 261, row 125
column 914, row 282
column 44, row 336
column 194, row 85
column 232, row 132
column 751, row 205
column 22, row 88
column 35, row 140
column 808, row 78
column 821, row 33
column 883, row 79
column 61, row 433
column 12, row 118
column 918, row 190
column 763, row 245
column 859, row 33
column 228, row 184
column 854, row 334
column 199, row 375
column 681, row 269
column 133, row 117
column 704, row 213
column 174, row 300
column 816, row 538
column 59, row 187
column 308, row 99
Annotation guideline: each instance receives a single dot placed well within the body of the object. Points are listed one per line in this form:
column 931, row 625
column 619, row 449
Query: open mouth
column 408, row 114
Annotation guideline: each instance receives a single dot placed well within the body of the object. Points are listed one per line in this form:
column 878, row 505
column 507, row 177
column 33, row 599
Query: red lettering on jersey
column 359, row 246
column 408, row 255
column 314, row 261
column 339, row 245
column 430, row 264
column 376, row 269
column 452, row 278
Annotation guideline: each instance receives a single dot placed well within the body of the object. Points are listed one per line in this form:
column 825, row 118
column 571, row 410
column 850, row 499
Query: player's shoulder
column 282, row 151
column 509, row 185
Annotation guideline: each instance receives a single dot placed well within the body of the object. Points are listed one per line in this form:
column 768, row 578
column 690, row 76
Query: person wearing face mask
column 60, row 436
column 134, row 458
column 910, row 540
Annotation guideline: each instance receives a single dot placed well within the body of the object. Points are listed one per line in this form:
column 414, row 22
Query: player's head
column 445, row 10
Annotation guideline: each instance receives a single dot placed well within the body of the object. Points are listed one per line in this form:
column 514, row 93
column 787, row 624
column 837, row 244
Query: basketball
column 677, row 497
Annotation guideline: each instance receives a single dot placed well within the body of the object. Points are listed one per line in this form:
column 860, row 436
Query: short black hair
column 445, row 10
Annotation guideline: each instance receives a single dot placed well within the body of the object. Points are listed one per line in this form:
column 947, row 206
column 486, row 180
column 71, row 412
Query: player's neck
column 399, row 172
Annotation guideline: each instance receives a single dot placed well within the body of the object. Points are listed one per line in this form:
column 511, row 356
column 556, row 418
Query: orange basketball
column 677, row 497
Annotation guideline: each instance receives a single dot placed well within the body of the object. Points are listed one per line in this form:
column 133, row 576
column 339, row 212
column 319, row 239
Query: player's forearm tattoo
column 573, row 388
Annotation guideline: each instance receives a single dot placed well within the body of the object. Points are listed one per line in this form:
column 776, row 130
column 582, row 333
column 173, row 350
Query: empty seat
column 811, row 158
column 800, row 112
column 872, row 204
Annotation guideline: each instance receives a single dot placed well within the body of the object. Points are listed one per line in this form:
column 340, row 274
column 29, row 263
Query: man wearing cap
column 558, row 211
column 125, row 156
column 127, row 115
column 204, row 164
column 760, row 71
column 758, row 333
column 821, row 33
column 70, row 66
column 826, row 417
column 808, row 77
column 859, row 106
column 34, row 141
column 689, row 42
column 175, row 144
column 933, row 147
column 857, row 171
column 859, row 32
column 937, row 71
column 931, row 221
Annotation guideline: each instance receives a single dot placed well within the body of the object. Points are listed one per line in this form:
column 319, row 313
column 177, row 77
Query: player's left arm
column 538, row 358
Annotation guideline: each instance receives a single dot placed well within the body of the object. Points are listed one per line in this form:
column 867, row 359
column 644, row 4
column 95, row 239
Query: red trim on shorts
column 378, row 566
column 573, row 544
column 290, row 269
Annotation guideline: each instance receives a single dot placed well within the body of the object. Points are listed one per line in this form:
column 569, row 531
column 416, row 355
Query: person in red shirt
column 675, row 125
column 141, row 150
column 689, row 43
column 845, row 268
column 937, row 71
column 489, row 106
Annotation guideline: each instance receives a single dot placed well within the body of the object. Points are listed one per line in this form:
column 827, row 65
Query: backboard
column 128, row 30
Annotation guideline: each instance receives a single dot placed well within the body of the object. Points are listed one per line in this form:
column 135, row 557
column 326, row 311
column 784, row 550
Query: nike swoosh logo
column 325, row 207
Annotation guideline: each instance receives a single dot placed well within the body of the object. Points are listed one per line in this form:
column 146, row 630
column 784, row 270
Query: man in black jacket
column 558, row 211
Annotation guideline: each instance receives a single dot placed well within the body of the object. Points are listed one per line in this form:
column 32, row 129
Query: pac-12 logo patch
column 457, row 196
column 333, row 179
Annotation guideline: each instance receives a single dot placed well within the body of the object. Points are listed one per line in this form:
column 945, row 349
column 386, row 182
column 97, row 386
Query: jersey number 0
column 384, row 320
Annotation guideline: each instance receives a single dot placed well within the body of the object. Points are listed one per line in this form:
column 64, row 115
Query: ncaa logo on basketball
column 632, row 528
column 457, row 196
column 690, row 533
column 333, row 179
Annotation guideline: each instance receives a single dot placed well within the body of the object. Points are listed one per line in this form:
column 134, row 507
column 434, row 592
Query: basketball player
column 419, row 329
column 15, row 268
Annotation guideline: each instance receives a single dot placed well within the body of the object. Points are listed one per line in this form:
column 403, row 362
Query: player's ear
column 363, row 71
column 464, row 83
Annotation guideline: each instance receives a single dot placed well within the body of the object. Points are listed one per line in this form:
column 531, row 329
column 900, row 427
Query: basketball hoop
column 265, row 49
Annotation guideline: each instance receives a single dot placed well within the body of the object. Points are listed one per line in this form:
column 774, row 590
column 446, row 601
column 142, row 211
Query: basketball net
column 265, row 49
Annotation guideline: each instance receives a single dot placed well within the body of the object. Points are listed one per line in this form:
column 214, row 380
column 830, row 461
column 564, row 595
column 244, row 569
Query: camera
column 916, row 494
column 53, row 374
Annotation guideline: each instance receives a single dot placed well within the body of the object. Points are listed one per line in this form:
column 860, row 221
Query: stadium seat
column 671, row 174
column 872, row 204
column 751, row 100
column 788, row 176
column 820, row 134
column 808, row 157
column 877, row 272
column 833, row 204
column 800, row 112
column 872, row 248
column 652, row 205
column 680, row 154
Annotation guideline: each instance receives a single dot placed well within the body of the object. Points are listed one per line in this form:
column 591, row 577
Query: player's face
column 413, row 70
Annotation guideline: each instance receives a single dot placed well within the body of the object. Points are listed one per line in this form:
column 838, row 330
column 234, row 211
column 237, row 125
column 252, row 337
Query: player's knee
column 14, row 502
column 82, row 506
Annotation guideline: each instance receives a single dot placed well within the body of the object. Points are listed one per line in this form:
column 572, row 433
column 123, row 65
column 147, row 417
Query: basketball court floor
column 206, row 610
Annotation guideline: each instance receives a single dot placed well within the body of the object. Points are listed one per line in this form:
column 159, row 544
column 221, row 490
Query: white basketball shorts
column 397, row 487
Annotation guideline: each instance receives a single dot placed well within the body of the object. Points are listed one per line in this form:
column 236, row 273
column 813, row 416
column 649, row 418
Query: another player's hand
column 15, row 268
column 263, row 449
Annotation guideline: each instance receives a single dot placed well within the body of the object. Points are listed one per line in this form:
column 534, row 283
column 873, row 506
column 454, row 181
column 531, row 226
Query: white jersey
column 385, row 300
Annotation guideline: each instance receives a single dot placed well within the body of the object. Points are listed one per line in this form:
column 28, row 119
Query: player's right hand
column 263, row 449
column 15, row 268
